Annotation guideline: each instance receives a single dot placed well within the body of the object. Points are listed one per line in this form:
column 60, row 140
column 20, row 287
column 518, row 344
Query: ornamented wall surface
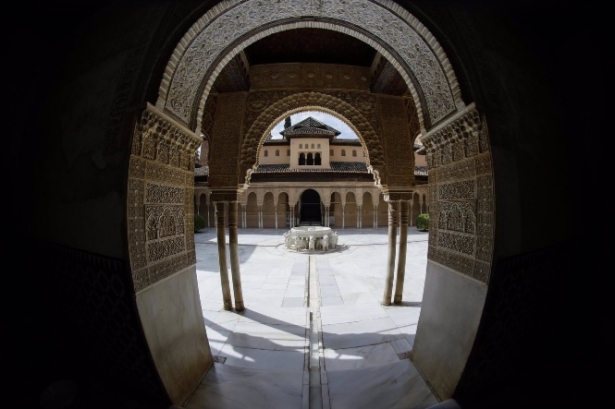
column 220, row 30
column 461, row 208
column 160, row 197
column 226, row 140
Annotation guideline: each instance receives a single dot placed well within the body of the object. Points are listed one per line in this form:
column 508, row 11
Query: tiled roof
column 310, row 126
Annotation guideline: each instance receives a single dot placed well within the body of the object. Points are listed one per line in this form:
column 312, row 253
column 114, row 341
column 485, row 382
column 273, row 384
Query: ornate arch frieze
column 232, row 25
column 461, row 196
column 265, row 109
column 160, row 198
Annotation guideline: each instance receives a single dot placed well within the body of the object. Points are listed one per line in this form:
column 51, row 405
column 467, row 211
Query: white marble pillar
column 292, row 216
column 276, row 216
column 327, row 216
column 221, row 236
column 260, row 217
column 403, row 245
column 388, row 284
column 244, row 216
column 375, row 217
column 234, row 250
column 359, row 217
column 343, row 217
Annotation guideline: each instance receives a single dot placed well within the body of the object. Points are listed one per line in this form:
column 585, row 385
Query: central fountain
column 310, row 238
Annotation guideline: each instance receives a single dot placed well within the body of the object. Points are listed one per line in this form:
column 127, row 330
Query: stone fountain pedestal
column 310, row 238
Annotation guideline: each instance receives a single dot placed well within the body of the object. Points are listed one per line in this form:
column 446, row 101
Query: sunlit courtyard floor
column 306, row 311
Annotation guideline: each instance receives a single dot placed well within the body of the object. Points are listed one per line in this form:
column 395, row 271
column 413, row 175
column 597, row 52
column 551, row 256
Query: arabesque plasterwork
column 161, row 183
column 461, row 195
column 232, row 25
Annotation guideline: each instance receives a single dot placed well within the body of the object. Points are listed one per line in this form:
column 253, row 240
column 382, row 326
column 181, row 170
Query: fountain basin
column 310, row 238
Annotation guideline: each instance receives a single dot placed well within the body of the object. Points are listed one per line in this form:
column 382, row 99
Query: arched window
column 343, row 152
column 317, row 160
column 310, row 159
column 354, row 152
column 277, row 152
column 302, row 159
column 318, row 146
column 300, row 146
column 331, row 152
column 312, row 146
column 266, row 153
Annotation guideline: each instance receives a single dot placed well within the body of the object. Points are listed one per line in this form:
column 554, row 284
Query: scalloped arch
column 303, row 101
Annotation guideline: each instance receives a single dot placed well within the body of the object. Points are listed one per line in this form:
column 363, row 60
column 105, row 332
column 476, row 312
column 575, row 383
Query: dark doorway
column 310, row 207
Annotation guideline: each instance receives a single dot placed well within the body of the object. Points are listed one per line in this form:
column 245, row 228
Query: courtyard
column 314, row 327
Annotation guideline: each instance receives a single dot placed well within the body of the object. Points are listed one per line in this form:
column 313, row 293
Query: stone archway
column 360, row 117
column 455, row 137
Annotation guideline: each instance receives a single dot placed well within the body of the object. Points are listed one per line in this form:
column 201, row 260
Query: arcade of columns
column 277, row 205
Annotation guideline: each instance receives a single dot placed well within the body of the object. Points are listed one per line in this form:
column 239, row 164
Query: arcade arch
column 455, row 137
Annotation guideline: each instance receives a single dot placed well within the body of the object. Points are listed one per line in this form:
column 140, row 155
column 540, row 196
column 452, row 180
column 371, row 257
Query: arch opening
column 310, row 208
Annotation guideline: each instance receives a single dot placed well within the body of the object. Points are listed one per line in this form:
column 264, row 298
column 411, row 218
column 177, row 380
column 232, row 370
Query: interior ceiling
column 310, row 45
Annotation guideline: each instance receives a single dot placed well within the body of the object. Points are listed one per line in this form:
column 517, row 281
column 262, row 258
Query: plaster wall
column 172, row 319
column 450, row 314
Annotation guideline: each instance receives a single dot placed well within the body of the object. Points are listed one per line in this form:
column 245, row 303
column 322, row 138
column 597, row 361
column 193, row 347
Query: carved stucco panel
column 399, row 154
column 226, row 137
column 461, row 196
column 161, row 166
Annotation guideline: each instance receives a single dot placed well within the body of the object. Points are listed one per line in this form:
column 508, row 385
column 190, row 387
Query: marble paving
column 361, row 347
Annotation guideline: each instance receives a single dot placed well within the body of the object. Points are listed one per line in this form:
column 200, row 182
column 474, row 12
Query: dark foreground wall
column 546, row 334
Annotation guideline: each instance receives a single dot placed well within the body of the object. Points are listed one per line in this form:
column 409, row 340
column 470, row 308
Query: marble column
column 276, row 216
column 244, row 216
column 403, row 245
column 221, row 236
column 343, row 216
column 327, row 216
column 292, row 216
column 234, row 250
column 375, row 217
column 260, row 217
column 359, row 218
column 388, row 284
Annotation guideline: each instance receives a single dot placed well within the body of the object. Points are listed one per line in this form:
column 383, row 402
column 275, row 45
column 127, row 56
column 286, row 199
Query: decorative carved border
column 231, row 26
column 160, row 194
column 461, row 195
column 358, row 110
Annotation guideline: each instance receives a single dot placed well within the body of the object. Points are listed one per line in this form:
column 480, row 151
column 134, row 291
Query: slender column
column 388, row 284
column 327, row 216
column 221, row 236
column 359, row 218
column 260, row 217
column 410, row 221
column 403, row 245
column 375, row 217
column 233, row 243
column 208, row 221
column 244, row 216
column 343, row 217
column 292, row 216
column 276, row 216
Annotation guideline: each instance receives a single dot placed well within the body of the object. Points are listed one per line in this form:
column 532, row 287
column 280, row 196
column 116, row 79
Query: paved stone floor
column 314, row 333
